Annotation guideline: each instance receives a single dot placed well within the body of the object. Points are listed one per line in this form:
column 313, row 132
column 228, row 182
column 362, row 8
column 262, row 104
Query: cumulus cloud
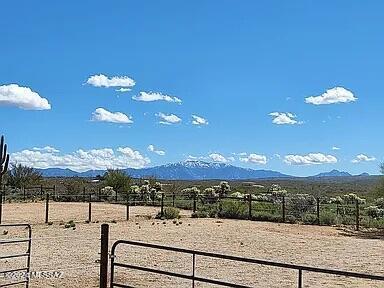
column 363, row 158
column 332, row 96
column 281, row 118
column 197, row 120
column 168, row 119
column 123, row 90
column 310, row 159
column 154, row 150
column 22, row 97
column 47, row 149
column 216, row 157
column 254, row 158
column 335, row 148
column 155, row 96
column 102, row 115
column 82, row 160
column 116, row 81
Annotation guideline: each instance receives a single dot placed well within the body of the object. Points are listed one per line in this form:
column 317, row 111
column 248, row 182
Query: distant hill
column 194, row 170
column 186, row 170
column 334, row 173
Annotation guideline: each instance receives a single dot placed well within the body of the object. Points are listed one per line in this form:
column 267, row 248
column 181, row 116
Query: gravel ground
column 75, row 252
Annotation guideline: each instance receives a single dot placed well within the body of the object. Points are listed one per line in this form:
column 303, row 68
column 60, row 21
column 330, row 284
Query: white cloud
column 82, row 160
column 116, row 81
column 123, row 90
column 154, row 150
column 22, row 97
column 168, row 119
column 363, row 158
column 284, row 118
column 332, row 96
column 100, row 114
column 254, row 158
column 197, row 120
column 47, row 149
column 216, row 157
column 312, row 158
column 155, row 96
column 335, row 148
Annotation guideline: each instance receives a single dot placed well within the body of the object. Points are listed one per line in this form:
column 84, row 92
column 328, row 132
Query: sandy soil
column 75, row 252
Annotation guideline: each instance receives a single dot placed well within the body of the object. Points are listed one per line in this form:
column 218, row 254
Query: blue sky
column 232, row 63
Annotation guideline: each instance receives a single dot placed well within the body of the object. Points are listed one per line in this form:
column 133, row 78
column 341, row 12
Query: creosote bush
column 169, row 213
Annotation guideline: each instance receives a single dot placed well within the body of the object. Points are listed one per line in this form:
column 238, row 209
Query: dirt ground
column 75, row 252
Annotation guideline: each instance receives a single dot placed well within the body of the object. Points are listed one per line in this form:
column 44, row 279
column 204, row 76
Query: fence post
column 162, row 205
column 116, row 196
column 357, row 215
column 249, row 206
column 46, row 207
column 90, row 208
column 54, row 192
column 41, row 189
column 1, row 204
column 24, row 196
column 98, row 193
column 283, row 208
column 84, row 194
column 127, row 204
column 104, row 255
column 194, row 202
column 173, row 198
column 318, row 210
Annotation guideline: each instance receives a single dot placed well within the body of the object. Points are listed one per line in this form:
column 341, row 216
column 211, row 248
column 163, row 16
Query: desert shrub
column 233, row 210
column 310, row 219
column 200, row 214
column 380, row 203
column 327, row 218
column 290, row 219
column 191, row 192
column 238, row 195
column 209, row 196
column 374, row 212
column 300, row 204
column 266, row 216
column 351, row 198
column 169, row 213
column 21, row 176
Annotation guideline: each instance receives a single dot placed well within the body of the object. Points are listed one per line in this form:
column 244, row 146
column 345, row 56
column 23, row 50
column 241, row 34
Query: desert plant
column 233, row 210
column 4, row 160
column 169, row 213
column 21, row 176
column 117, row 179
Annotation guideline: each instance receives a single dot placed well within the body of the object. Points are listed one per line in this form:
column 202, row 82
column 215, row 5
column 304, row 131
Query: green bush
column 169, row 213
column 266, row 216
column 310, row 219
column 327, row 218
column 200, row 214
column 290, row 219
column 233, row 210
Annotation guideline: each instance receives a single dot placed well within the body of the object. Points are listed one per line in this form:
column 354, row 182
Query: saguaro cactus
column 4, row 161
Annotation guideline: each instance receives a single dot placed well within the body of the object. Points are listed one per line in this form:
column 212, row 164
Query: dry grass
column 75, row 252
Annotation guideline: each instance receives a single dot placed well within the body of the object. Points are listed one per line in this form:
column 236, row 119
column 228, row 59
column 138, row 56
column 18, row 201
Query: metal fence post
column 116, row 196
column 104, row 255
column 24, row 196
column 357, row 215
column 41, row 189
column 162, row 205
column 1, row 205
column 173, row 198
column 300, row 278
column 46, row 207
column 84, row 194
column 249, row 206
column 283, row 208
column 194, row 202
column 127, row 216
column 90, row 208
column 318, row 210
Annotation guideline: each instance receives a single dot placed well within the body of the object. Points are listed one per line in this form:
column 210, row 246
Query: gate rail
column 27, row 254
column 194, row 278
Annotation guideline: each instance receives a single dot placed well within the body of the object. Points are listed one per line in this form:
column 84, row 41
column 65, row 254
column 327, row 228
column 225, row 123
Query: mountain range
column 191, row 170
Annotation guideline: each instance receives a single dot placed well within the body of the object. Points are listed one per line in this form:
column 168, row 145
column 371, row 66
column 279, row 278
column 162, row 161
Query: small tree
column 21, row 176
column 117, row 179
